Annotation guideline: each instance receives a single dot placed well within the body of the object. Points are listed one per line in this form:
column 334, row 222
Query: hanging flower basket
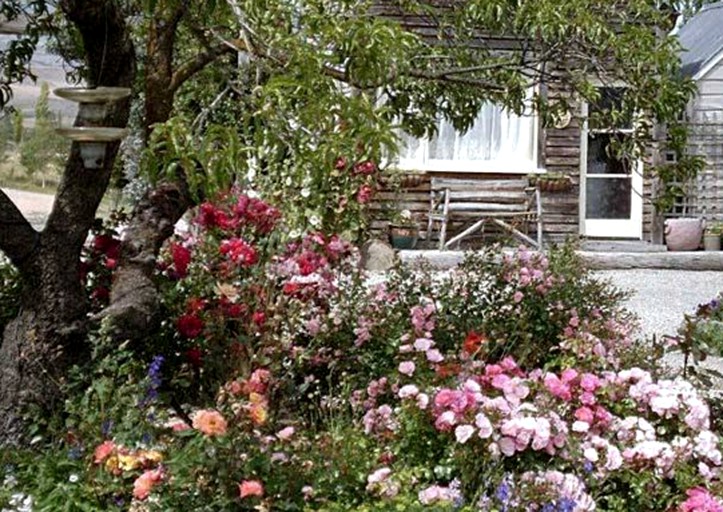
column 555, row 184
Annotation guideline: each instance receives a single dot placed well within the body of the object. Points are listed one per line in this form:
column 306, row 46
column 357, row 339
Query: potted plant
column 552, row 182
column 711, row 237
column 403, row 230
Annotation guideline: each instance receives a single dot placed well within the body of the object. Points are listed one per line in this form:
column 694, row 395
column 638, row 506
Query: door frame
column 610, row 228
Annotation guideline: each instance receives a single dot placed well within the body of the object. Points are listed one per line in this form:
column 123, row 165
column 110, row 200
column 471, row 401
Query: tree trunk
column 134, row 300
column 49, row 332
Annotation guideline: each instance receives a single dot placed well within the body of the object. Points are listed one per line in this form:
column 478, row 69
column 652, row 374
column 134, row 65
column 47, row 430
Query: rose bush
column 284, row 378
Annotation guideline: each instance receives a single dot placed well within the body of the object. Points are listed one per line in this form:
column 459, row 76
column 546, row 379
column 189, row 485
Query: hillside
column 48, row 68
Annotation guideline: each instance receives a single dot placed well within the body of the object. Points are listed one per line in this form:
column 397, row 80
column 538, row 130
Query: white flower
column 591, row 454
column 73, row 478
column 580, row 426
column 463, row 433
column 408, row 391
column 305, row 192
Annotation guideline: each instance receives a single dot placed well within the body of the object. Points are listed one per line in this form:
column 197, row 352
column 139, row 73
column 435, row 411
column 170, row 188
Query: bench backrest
column 493, row 195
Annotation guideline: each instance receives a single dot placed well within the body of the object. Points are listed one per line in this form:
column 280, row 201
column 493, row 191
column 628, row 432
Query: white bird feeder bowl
column 92, row 107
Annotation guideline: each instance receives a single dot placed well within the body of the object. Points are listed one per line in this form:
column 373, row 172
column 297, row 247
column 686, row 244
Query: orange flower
column 210, row 422
column 144, row 484
column 258, row 409
column 103, row 451
column 250, row 488
column 473, row 342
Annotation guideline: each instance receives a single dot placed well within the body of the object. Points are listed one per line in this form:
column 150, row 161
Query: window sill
column 468, row 169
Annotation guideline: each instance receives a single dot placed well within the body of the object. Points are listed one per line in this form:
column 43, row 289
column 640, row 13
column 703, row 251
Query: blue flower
column 566, row 505
column 503, row 492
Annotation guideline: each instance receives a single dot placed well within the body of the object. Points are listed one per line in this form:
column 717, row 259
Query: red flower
column 239, row 251
column 259, row 318
column 195, row 357
column 100, row 293
column 340, row 163
column 195, row 305
column 473, row 342
column 189, row 326
column 364, row 195
column 181, row 259
column 207, row 215
column 234, row 310
column 365, row 168
column 291, row 288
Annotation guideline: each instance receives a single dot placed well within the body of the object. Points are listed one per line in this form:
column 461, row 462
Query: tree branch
column 196, row 64
column 18, row 239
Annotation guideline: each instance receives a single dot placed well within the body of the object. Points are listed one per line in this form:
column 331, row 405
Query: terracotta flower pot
column 683, row 234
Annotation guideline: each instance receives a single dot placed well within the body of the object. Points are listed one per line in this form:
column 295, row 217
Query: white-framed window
column 498, row 142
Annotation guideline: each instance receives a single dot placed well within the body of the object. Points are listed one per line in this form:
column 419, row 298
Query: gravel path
column 661, row 297
column 34, row 206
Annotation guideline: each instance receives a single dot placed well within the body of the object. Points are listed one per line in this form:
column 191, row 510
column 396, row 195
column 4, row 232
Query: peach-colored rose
column 103, row 451
column 144, row 484
column 250, row 488
column 258, row 409
column 210, row 422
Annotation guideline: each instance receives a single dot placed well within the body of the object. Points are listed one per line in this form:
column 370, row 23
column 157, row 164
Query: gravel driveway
column 661, row 297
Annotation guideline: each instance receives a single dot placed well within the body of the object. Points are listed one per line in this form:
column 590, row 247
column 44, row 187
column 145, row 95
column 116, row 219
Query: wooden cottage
column 597, row 196
column 702, row 59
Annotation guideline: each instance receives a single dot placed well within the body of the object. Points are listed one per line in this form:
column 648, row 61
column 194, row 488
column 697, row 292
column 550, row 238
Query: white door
column 611, row 189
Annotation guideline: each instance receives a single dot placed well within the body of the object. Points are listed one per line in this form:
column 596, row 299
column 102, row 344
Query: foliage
column 10, row 286
column 43, row 149
column 285, row 379
column 700, row 336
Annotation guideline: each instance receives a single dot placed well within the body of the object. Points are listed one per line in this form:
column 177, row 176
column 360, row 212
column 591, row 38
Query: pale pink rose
column 518, row 296
column 507, row 446
column 379, row 475
column 408, row 391
column 423, row 344
column 484, row 425
column 434, row 356
column 422, row 400
column 407, row 368
column 463, row 432
column 285, row 433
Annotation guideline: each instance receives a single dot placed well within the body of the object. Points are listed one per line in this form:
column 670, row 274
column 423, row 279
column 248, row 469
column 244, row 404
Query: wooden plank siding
column 705, row 139
column 559, row 150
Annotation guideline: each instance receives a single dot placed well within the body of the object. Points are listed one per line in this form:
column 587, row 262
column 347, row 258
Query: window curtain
column 497, row 137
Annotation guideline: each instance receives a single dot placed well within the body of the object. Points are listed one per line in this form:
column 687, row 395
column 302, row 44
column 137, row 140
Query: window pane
column 608, row 198
column 496, row 136
column 601, row 158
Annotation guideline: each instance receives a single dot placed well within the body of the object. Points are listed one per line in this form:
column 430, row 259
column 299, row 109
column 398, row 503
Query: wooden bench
column 502, row 202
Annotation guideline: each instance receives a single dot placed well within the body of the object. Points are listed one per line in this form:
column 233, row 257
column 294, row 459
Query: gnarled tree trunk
column 49, row 332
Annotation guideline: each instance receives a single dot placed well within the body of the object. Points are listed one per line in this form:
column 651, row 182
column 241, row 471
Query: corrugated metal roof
column 702, row 38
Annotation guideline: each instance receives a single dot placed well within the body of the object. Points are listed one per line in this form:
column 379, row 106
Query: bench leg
column 517, row 233
column 474, row 227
